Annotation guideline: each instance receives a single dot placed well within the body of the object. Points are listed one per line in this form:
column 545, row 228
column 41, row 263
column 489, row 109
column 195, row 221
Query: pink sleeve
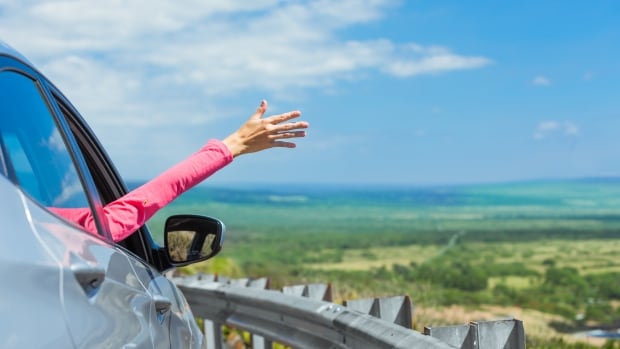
column 128, row 213
column 81, row 216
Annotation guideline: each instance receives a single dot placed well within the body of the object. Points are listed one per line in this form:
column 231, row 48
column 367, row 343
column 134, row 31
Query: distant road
column 451, row 243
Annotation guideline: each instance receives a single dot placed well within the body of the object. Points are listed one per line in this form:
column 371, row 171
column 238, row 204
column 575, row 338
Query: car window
column 35, row 153
column 107, row 184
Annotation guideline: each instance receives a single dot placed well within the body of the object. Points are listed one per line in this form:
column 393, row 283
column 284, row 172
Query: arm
column 128, row 213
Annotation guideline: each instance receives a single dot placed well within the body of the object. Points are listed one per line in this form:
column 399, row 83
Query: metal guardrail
column 303, row 316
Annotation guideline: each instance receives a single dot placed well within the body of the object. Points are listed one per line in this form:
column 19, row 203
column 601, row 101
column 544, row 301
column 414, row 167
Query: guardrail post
column 260, row 342
column 505, row 334
column 212, row 330
column 398, row 310
column 320, row 292
column 460, row 336
column 213, row 334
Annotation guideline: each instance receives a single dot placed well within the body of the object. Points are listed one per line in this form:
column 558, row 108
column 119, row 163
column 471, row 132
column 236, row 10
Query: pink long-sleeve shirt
column 128, row 213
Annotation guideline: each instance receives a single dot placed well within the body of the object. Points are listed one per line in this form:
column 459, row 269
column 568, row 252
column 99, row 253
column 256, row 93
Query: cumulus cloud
column 414, row 60
column 541, row 80
column 547, row 129
column 146, row 66
column 131, row 53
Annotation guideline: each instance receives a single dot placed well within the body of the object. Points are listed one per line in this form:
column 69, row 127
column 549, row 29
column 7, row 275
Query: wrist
column 234, row 145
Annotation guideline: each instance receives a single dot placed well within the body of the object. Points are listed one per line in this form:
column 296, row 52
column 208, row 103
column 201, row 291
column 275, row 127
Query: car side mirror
column 190, row 238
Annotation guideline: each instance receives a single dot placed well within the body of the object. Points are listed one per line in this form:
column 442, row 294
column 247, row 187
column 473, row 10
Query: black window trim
column 5, row 166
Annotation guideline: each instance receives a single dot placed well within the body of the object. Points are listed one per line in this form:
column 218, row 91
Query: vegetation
column 548, row 248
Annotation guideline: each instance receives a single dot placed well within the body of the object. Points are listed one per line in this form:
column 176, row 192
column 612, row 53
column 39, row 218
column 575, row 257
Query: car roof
column 6, row 49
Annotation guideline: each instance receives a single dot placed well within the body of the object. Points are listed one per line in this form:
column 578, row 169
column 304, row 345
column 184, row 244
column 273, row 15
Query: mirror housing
column 191, row 238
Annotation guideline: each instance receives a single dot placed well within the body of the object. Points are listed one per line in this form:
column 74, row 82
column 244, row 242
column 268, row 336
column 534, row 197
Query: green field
column 547, row 249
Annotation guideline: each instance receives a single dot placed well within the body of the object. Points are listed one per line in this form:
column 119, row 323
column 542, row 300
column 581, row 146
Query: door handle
column 162, row 304
column 88, row 276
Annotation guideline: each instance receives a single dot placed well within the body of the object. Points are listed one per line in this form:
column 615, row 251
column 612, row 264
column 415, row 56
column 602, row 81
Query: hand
column 259, row 133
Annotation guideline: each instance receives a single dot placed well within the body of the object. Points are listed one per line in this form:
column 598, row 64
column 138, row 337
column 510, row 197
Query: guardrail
column 303, row 316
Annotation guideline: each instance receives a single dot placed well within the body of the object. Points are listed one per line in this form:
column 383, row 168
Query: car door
column 104, row 303
column 182, row 331
column 30, row 293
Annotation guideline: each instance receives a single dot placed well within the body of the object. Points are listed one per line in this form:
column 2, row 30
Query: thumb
column 260, row 111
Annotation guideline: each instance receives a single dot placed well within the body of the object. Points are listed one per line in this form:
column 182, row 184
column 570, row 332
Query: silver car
column 60, row 286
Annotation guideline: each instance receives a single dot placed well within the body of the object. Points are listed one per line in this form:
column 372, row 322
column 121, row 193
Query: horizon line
column 219, row 183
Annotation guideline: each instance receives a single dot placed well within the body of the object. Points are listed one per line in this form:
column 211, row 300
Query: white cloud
column 137, row 62
column 546, row 129
column 541, row 80
column 217, row 47
column 434, row 64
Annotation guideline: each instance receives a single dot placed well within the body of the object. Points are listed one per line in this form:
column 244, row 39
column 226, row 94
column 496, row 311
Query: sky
column 415, row 92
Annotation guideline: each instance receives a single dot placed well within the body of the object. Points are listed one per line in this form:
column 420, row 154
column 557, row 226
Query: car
column 64, row 287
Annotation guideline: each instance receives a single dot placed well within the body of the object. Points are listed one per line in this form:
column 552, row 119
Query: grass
column 376, row 257
column 539, row 326
column 587, row 256
column 516, row 282
column 349, row 238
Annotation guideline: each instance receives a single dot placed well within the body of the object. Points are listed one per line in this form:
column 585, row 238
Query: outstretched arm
column 128, row 213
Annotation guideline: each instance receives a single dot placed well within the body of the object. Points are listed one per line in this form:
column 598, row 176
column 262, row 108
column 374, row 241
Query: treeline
column 286, row 247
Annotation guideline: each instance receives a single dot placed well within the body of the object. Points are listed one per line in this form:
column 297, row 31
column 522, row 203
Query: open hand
column 260, row 133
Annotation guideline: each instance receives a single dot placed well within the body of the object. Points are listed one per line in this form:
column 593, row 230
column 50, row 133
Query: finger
column 260, row 111
column 283, row 144
column 285, row 135
column 276, row 119
column 291, row 126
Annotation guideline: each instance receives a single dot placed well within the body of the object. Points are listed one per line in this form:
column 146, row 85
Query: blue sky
column 400, row 92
